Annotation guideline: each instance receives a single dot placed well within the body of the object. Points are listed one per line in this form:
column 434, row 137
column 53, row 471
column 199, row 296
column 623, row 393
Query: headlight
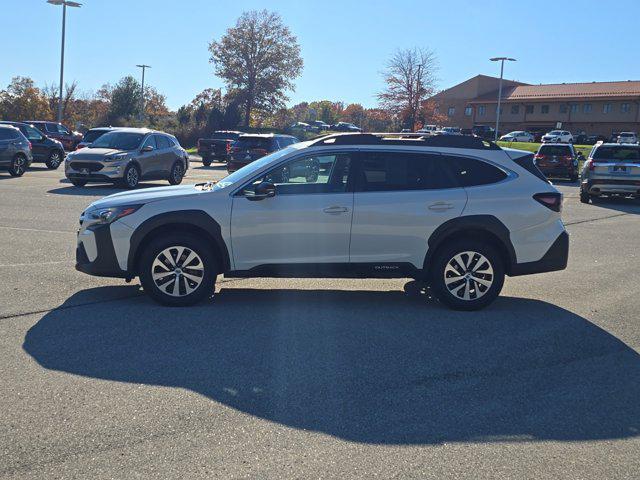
column 117, row 158
column 108, row 215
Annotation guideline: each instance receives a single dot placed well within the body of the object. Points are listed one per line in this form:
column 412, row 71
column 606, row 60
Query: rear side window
column 9, row 134
column 393, row 171
column 555, row 150
column 471, row 172
column 248, row 143
column 617, row 154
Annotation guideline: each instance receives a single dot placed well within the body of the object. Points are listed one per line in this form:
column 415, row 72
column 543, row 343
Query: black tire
column 131, row 177
column 584, row 196
column 177, row 173
column 160, row 291
column 54, row 160
column 77, row 183
column 485, row 265
column 206, row 161
column 18, row 165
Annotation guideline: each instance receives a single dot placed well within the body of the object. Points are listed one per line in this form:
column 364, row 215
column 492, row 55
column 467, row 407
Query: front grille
column 91, row 166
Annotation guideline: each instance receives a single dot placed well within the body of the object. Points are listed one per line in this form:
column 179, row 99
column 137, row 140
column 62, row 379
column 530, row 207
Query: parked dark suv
column 57, row 131
column 92, row 135
column 251, row 147
column 15, row 151
column 44, row 149
column 557, row 160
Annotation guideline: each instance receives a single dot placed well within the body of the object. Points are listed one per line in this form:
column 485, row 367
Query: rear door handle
column 335, row 210
column 440, row 206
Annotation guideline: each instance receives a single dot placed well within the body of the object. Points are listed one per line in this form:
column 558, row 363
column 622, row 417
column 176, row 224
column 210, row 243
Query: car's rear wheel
column 78, row 183
column 177, row 173
column 54, row 160
column 131, row 177
column 584, row 196
column 206, row 161
column 178, row 270
column 467, row 275
column 18, row 165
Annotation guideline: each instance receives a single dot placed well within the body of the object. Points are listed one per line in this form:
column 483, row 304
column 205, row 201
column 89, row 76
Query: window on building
column 468, row 111
column 606, row 108
column 544, row 109
column 587, row 107
column 501, row 109
column 625, row 108
column 482, row 110
column 451, row 111
column 529, row 109
column 563, row 108
column 515, row 109
column 574, row 108
column 436, row 110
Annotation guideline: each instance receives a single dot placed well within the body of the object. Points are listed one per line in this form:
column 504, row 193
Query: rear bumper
column 554, row 259
column 558, row 170
column 612, row 186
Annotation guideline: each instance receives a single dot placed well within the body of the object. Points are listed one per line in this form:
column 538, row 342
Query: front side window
column 162, row 142
column 471, row 172
column 393, row 171
column 318, row 173
column 32, row 133
column 150, row 142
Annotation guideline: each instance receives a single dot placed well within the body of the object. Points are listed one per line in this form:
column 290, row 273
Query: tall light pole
column 501, row 60
column 417, row 107
column 143, row 67
column 65, row 4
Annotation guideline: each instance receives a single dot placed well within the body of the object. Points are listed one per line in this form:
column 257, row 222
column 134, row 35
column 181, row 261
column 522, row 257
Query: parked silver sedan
column 126, row 156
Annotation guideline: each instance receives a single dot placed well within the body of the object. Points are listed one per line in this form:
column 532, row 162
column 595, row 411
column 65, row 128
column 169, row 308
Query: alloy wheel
column 132, row 177
column 177, row 271
column 468, row 275
column 54, row 159
column 19, row 166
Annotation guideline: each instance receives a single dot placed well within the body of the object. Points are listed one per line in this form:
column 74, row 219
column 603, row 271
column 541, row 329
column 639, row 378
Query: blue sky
column 344, row 43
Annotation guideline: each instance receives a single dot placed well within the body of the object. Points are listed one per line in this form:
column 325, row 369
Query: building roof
column 566, row 90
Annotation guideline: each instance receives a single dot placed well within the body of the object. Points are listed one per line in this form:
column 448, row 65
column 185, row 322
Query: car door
column 165, row 155
column 308, row 221
column 400, row 199
column 148, row 160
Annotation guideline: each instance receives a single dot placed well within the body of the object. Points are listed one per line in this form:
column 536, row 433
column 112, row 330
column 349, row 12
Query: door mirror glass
column 147, row 148
column 261, row 191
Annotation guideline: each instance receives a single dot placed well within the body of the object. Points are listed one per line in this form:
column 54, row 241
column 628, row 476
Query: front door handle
column 440, row 206
column 335, row 210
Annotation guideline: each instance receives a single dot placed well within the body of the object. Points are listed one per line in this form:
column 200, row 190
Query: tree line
column 258, row 59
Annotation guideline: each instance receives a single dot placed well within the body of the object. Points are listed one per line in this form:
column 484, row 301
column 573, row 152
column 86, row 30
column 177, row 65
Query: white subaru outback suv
column 455, row 212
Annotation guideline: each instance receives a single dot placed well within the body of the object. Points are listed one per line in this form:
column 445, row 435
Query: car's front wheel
column 206, row 161
column 178, row 270
column 467, row 275
column 78, row 183
column 131, row 177
column 54, row 160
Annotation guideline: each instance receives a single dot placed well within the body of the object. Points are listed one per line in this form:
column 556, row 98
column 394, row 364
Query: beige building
column 595, row 108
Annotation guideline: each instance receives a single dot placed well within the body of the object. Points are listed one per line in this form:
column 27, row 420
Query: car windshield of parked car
column 118, row 141
column 93, row 135
column 555, row 132
column 247, row 170
column 249, row 143
column 617, row 154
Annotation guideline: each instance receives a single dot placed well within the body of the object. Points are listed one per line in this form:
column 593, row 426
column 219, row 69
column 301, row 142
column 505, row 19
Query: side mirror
column 262, row 191
column 147, row 148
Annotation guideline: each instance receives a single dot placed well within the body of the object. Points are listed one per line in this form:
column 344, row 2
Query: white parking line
column 35, row 264
column 37, row 230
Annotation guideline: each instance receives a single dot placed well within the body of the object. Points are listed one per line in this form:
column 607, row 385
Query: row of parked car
column 564, row 136
column 320, row 126
column 123, row 156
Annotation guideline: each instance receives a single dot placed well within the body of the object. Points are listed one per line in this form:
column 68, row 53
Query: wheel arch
column 196, row 222
column 485, row 228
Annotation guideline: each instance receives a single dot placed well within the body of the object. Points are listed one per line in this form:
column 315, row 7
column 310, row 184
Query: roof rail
column 406, row 139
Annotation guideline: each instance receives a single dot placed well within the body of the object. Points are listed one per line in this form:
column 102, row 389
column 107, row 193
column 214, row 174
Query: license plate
column 619, row 169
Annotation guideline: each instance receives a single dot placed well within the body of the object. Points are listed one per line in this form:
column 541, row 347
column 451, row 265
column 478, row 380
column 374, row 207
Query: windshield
column 225, row 136
column 555, row 132
column 247, row 143
column 247, row 170
column 617, row 154
column 118, row 141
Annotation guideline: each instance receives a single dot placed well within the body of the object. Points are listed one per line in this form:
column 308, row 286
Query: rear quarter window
column 471, row 172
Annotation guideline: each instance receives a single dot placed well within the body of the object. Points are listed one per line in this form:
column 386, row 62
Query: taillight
column 592, row 165
column 228, row 147
column 551, row 200
column 538, row 156
column 30, row 146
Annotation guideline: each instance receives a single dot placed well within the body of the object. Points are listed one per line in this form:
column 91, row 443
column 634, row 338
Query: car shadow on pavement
column 379, row 367
column 100, row 189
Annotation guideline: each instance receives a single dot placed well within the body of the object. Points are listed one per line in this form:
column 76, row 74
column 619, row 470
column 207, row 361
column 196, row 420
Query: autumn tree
column 353, row 113
column 259, row 58
column 125, row 101
column 410, row 78
column 22, row 100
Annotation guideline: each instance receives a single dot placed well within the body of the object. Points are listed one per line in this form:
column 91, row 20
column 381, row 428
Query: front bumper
column 554, row 259
column 95, row 253
column 94, row 171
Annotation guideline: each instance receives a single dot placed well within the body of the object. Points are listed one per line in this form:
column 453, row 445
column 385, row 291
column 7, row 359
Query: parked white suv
column 627, row 137
column 557, row 136
column 453, row 211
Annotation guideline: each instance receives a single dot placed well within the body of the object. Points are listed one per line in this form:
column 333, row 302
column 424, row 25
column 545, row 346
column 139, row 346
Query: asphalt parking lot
column 314, row 378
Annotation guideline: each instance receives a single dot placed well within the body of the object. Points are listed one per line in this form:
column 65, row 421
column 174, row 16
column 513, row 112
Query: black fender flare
column 196, row 218
column 486, row 223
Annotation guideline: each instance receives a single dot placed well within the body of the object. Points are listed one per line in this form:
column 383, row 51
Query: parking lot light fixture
column 144, row 68
column 501, row 60
column 65, row 4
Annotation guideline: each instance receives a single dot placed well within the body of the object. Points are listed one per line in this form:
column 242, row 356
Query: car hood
column 96, row 153
column 146, row 195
